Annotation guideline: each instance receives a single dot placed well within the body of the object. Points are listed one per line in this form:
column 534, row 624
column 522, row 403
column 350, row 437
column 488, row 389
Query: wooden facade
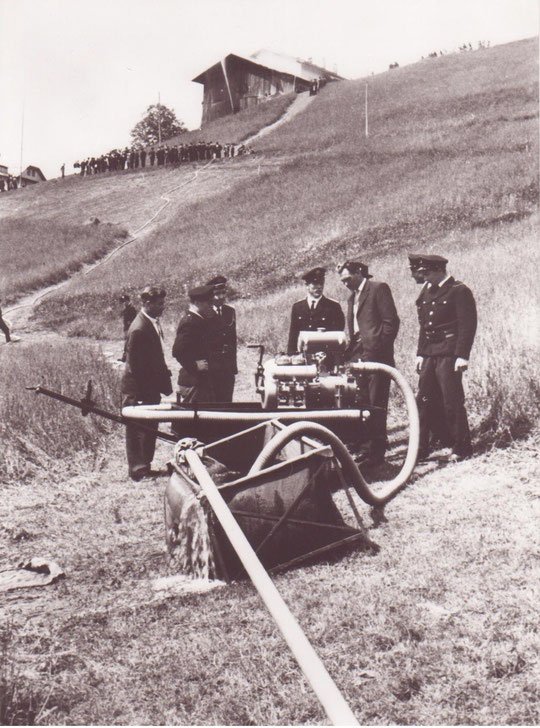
column 236, row 83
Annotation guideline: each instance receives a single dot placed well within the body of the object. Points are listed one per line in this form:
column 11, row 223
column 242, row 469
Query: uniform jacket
column 128, row 315
column 223, row 341
column 192, row 343
column 378, row 323
column 145, row 374
column 327, row 315
column 447, row 320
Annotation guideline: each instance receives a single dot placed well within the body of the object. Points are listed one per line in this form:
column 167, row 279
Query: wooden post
column 159, row 117
column 366, row 110
column 326, row 690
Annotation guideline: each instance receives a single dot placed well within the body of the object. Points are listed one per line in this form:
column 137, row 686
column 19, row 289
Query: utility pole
column 366, row 110
column 22, row 136
column 159, row 117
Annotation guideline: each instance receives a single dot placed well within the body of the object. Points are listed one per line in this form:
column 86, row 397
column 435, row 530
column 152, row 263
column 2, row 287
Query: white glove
column 202, row 365
column 461, row 364
column 419, row 362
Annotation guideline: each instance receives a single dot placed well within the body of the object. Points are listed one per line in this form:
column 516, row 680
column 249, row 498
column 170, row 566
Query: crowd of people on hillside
column 9, row 183
column 466, row 47
column 163, row 154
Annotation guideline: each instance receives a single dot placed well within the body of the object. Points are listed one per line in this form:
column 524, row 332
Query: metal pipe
column 164, row 413
column 86, row 406
column 326, row 690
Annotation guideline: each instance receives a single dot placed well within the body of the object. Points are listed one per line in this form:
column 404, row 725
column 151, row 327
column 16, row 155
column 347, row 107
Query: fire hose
column 348, row 466
column 310, row 663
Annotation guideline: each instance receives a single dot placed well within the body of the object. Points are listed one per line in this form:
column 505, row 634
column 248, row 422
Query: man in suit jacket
column 315, row 311
column 222, row 363
column 192, row 348
column 145, row 378
column 447, row 316
column 373, row 325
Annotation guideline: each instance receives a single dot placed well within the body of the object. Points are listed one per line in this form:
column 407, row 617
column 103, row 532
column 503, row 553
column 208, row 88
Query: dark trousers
column 140, row 444
column 434, row 430
column 378, row 391
column 223, row 385
column 438, row 376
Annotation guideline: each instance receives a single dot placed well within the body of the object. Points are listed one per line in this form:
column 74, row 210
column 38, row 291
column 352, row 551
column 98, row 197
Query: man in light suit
column 145, row 378
column 373, row 325
column 314, row 312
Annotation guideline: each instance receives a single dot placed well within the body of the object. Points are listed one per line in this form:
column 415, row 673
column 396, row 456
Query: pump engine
column 314, row 379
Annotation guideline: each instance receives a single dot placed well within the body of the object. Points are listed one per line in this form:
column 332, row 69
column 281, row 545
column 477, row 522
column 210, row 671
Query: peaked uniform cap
column 201, row 293
column 217, row 282
column 432, row 262
column 414, row 258
column 314, row 275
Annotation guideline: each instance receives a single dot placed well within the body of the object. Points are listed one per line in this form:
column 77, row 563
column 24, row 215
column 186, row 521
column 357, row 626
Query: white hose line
column 91, row 267
column 326, row 690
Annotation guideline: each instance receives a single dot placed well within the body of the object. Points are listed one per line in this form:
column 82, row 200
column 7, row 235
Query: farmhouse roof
column 32, row 172
column 281, row 63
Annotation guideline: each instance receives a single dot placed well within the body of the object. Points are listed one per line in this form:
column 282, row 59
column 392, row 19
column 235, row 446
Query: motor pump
column 315, row 378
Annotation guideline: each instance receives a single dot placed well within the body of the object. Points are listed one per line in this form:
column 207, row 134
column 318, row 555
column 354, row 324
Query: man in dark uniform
column 192, row 348
column 447, row 317
column 373, row 325
column 315, row 312
column 145, row 378
column 128, row 312
column 436, row 434
column 222, row 364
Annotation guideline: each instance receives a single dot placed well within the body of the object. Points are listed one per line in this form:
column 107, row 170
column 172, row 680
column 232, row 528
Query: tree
column 158, row 124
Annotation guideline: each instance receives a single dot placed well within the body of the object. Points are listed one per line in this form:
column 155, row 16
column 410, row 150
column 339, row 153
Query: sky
column 77, row 75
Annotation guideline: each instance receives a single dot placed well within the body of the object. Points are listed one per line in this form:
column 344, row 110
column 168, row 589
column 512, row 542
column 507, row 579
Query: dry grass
column 36, row 432
column 440, row 627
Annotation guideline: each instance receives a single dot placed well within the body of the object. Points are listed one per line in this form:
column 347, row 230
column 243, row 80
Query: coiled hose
column 350, row 470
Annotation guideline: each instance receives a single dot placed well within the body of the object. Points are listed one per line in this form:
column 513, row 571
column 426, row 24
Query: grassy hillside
column 448, row 151
column 44, row 232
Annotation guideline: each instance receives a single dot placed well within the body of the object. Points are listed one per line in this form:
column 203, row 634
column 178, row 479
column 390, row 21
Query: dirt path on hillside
column 300, row 103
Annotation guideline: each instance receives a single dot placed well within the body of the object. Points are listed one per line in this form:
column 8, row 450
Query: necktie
column 160, row 330
column 312, row 307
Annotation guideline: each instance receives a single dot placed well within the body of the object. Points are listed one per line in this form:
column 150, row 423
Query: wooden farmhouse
column 31, row 175
column 236, row 82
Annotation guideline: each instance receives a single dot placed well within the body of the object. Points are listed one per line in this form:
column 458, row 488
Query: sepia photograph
column 269, row 363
